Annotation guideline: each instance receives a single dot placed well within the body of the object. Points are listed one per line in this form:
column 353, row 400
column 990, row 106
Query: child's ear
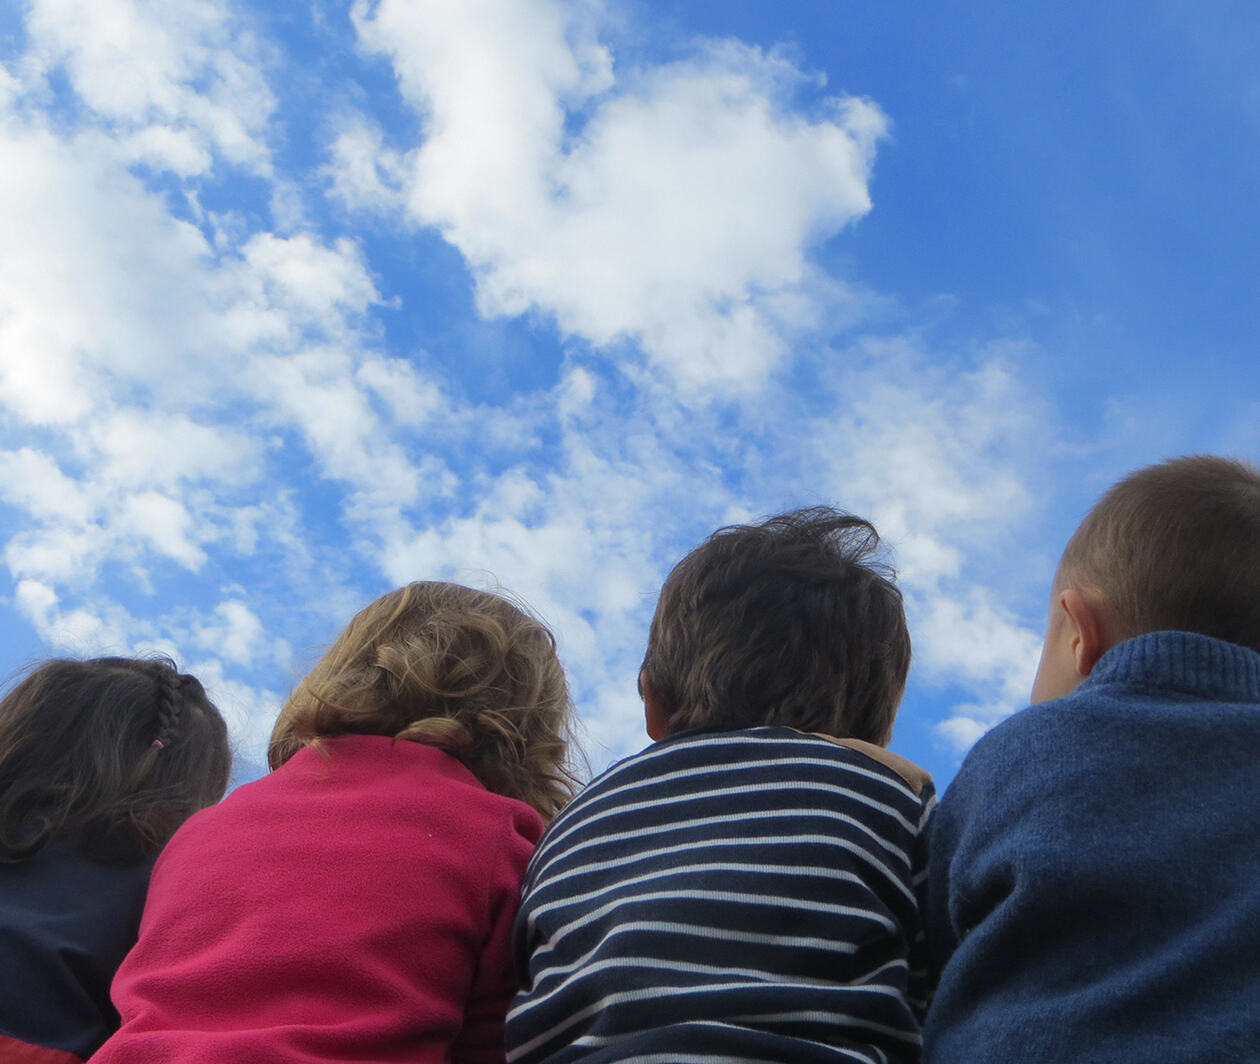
column 1089, row 631
column 654, row 715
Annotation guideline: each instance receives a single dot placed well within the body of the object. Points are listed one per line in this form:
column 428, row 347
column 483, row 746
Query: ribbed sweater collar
column 1183, row 661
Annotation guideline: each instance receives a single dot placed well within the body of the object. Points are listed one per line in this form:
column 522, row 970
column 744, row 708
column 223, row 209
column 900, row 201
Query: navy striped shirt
column 727, row 896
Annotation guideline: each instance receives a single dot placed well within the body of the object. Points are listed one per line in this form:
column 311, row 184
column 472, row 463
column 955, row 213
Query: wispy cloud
column 219, row 445
column 177, row 82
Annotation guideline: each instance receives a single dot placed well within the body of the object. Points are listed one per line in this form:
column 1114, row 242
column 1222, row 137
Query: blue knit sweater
column 1095, row 891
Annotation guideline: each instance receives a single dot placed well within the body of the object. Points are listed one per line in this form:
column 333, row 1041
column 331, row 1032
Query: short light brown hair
column 1176, row 546
column 790, row 622
column 462, row 670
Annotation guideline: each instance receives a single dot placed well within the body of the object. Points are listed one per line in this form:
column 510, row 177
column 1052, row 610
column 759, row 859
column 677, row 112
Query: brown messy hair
column 110, row 754
column 441, row 664
column 789, row 622
column 1176, row 546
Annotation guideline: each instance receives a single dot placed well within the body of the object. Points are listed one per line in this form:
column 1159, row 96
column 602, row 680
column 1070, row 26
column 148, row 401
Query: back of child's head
column 790, row 622
column 1175, row 546
column 445, row 665
column 110, row 754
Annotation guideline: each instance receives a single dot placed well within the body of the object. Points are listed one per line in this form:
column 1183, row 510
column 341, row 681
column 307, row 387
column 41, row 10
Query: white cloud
column 112, row 307
column 35, row 601
column 206, row 419
column 166, row 357
column 34, row 482
column 614, row 726
column 316, row 392
column 319, row 281
column 235, row 633
column 411, row 399
column 164, row 148
column 137, row 447
column 167, row 525
column 61, row 555
column 939, row 459
column 363, row 173
column 936, row 457
column 680, row 216
column 973, row 639
column 95, row 277
column 583, row 535
column 170, row 71
column 963, row 730
column 89, row 630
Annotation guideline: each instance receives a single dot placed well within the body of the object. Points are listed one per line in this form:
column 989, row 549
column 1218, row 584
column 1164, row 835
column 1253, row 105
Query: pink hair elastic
column 157, row 744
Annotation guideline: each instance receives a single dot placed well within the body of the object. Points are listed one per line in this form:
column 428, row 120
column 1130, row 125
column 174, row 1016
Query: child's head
column 112, row 754
column 462, row 670
column 1175, row 546
column 789, row 622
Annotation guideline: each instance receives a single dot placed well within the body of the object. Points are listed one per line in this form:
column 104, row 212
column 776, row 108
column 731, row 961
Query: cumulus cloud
column 234, row 633
column 939, row 457
column 174, row 77
column 215, row 445
column 363, row 173
column 136, row 448
column 301, row 273
column 99, row 284
column 674, row 206
column 92, row 628
column 33, row 481
column 578, row 535
column 158, row 361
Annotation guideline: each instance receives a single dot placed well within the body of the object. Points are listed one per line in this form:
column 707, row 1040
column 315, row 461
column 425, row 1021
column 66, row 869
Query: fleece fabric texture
column 66, row 922
column 356, row 904
column 1095, row 883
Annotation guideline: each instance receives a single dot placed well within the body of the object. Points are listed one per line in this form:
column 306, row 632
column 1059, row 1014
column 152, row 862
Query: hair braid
column 169, row 704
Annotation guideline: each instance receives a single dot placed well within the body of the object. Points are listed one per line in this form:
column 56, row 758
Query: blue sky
column 299, row 302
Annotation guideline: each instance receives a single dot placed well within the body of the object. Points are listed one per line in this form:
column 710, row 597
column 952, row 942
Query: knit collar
column 1183, row 661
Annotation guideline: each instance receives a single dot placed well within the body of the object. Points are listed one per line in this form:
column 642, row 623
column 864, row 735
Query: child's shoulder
column 749, row 757
column 696, row 783
column 919, row 780
column 701, row 748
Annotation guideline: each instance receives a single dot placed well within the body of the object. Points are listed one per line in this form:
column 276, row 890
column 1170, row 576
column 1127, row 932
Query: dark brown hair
column 788, row 622
column 112, row 754
column 441, row 664
column 1176, row 546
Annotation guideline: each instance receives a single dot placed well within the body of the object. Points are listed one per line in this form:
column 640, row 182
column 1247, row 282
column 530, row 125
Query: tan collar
column 916, row 778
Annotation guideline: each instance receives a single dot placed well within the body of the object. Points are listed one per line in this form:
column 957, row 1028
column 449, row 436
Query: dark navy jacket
column 1095, row 870
column 66, row 923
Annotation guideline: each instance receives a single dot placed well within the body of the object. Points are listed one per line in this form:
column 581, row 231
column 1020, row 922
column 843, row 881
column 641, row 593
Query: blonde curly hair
column 445, row 665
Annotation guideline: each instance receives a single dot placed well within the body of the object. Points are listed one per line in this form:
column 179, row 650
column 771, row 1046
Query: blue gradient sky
column 299, row 302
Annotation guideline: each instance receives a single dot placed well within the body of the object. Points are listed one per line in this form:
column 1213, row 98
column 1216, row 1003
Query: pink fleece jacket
column 356, row 904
